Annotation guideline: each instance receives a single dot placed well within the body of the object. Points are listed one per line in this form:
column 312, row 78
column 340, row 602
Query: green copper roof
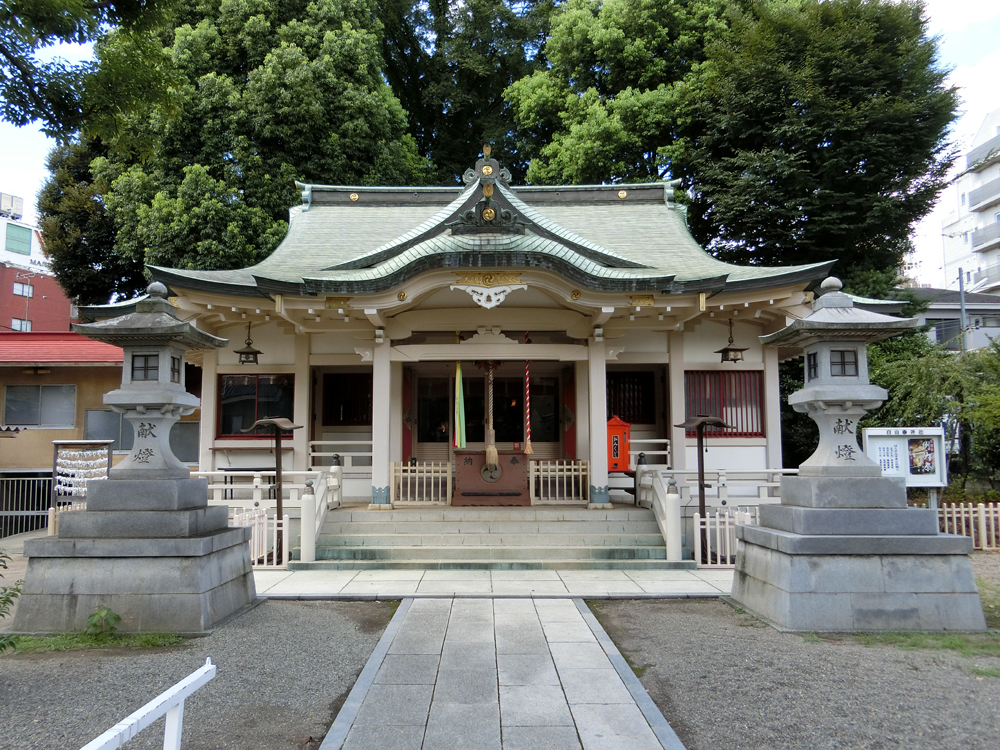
column 358, row 240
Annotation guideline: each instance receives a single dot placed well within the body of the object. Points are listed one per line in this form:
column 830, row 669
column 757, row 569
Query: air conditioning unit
column 11, row 206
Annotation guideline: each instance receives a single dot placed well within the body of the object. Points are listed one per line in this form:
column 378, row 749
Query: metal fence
column 24, row 504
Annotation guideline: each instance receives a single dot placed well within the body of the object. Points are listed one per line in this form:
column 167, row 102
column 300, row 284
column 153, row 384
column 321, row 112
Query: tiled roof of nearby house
column 952, row 296
column 55, row 348
column 361, row 240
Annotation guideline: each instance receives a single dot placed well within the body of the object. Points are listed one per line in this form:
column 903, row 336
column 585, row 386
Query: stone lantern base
column 846, row 554
column 151, row 550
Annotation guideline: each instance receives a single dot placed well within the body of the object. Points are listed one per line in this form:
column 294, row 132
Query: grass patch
column 989, row 593
column 985, row 671
column 78, row 642
column 965, row 644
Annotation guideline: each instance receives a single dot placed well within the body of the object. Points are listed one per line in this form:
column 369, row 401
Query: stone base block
column 119, row 524
column 189, row 595
column 857, row 593
column 137, row 494
column 843, row 492
column 837, row 544
column 849, row 521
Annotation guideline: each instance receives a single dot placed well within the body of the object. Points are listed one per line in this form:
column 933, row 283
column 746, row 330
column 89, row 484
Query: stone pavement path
column 511, row 673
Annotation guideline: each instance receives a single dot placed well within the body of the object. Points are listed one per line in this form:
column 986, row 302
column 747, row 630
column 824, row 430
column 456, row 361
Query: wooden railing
column 980, row 521
column 355, row 455
column 720, row 536
column 169, row 703
column 249, row 489
column 663, row 499
column 56, row 511
column 420, row 482
column 559, row 482
column 746, row 485
column 656, row 450
column 264, row 535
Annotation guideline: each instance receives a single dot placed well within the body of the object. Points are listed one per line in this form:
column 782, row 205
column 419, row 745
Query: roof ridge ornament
column 487, row 214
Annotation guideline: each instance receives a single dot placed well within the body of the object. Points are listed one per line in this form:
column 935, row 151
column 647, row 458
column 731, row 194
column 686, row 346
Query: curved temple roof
column 358, row 240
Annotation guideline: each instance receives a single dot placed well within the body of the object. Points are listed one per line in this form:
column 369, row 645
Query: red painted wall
column 48, row 309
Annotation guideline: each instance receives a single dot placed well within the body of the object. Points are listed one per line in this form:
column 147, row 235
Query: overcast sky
column 969, row 32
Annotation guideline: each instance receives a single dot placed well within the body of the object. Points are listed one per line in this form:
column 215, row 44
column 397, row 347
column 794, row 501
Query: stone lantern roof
column 835, row 317
column 152, row 324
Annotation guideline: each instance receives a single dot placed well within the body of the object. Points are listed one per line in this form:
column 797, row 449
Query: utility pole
column 961, row 302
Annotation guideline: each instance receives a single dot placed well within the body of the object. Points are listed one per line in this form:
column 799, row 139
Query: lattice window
column 737, row 397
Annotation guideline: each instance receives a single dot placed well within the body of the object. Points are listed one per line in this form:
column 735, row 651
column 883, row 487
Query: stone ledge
column 197, row 546
column 797, row 544
column 843, row 492
column 152, row 524
column 144, row 494
column 850, row 521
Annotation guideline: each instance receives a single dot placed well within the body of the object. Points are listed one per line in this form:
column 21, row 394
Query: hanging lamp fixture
column 731, row 353
column 248, row 355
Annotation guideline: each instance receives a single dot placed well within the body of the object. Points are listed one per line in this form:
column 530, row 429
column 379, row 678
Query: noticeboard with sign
column 915, row 453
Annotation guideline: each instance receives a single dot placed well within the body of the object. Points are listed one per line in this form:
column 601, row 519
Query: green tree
column 605, row 106
column 79, row 233
column 265, row 92
column 814, row 130
column 449, row 63
column 64, row 96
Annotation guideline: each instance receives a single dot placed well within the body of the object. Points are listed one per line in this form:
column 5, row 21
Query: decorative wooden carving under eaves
column 491, row 213
column 488, row 289
column 641, row 300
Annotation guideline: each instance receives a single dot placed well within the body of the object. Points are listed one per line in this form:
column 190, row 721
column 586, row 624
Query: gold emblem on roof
column 622, row 194
column 644, row 300
column 487, row 190
column 354, row 196
column 487, row 170
column 575, row 294
column 489, row 214
column 401, row 296
column 488, row 279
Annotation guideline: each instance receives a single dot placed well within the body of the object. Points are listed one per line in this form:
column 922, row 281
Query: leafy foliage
column 449, row 64
column 814, row 130
column 63, row 96
column 265, row 92
column 7, row 596
column 103, row 622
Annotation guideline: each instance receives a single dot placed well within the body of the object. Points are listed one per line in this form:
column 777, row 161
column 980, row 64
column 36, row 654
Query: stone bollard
column 307, row 539
column 672, row 509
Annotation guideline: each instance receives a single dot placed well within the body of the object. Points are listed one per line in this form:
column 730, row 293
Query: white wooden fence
column 355, row 455
column 553, row 482
column 251, row 489
column 264, row 537
column 665, row 502
column 56, row 511
column 169, row 703
column 656, row 450
column 981, row 522
column 720, row 536
column 723, row 484
column 420, row 482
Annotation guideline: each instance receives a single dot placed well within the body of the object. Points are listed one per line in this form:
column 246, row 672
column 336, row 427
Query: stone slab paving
column 396, row 584
column 513, row 673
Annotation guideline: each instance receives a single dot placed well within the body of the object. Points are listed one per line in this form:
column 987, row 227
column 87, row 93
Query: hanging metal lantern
column 731, row 353
column 248, row 355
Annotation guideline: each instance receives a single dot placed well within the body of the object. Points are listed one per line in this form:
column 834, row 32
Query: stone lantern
column 148, row 545
column 843, row 552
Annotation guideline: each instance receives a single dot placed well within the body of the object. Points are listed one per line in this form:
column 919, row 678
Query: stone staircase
column 543, row 537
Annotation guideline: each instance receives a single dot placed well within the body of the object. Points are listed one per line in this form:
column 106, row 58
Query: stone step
column 463, row 564
column 508, row 539
column 491, row 553
column 490, row 527
column 360, row 514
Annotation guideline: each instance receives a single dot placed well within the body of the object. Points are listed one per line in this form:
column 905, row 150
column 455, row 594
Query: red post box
column 619, row 443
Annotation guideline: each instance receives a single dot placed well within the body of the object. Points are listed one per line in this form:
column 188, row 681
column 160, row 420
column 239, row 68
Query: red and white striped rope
column 527, row 401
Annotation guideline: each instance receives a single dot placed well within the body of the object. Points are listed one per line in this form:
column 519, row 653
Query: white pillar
column 678, row 448
column 300, row 405
column 396, row 411
column 381, row 425
column 597, row 378
column 582, row 410
column 209, row 417
column 772, row 408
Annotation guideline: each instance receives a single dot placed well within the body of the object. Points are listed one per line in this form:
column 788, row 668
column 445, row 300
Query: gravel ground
column 284, row 670
column 726, row 680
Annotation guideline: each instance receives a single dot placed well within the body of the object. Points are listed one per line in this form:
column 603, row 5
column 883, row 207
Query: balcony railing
column 985, row 195
column 982, row 153
column 990, row 274
column 985, row 236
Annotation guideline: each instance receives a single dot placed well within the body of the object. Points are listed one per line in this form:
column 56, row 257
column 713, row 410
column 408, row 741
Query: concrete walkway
column 396, row 584
column 510, row 673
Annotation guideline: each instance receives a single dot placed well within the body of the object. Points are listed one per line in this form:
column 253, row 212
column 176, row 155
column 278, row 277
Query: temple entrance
column 434, row 427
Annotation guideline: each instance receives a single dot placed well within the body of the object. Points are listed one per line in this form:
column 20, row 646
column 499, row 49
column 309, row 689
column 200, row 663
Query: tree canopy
column 63, row 96
column 264, row 93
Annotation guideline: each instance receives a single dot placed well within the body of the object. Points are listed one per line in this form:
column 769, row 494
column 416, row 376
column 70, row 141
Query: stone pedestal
column 151, row 550
column 846, row 554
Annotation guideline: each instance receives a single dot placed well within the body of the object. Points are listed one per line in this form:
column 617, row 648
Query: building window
column 736, row 397
column 52, row 406
column 175, row 369
column 965, row 237
column 631, row 397
column 104, row 424
column 963, row 199
column 16, row 324
column 844, row 363
column 23, row 290
column 947, row 332
column 18, row 240
column 812, row 365
column 347, row 399
column 145, row 367
column 243, row 399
